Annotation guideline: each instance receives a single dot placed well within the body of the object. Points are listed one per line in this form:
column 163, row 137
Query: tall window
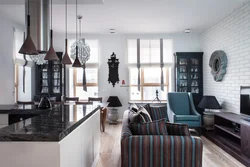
column 91, row 73
column 150, row 68
column 19, row 61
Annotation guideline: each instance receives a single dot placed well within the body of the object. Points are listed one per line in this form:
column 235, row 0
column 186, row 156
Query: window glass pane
column 168, row 51
column 133, row 76
column 92, row 91
column 149, row 93
column 91, row 75
column 94, row 51
column 153, row 75
column 134, row 93
column 150, row 51
column 145, row 51
column 132, row 51
column 155, row 51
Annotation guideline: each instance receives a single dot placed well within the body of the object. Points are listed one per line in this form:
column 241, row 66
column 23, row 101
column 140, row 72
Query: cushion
column 150, row 128
column 145, row 114
column 179, row 103
column 147, row 107
column 135, row 117
column 177, row 129
column 187, row 118
column 133, row 107
column 158, row 112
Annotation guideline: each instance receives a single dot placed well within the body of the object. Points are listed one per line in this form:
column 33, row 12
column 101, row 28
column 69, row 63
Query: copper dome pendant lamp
column 51, row 54
column 28, row 46
column 66, row 59
column 77, row 62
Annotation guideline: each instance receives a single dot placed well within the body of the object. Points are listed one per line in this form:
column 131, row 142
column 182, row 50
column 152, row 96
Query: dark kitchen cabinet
column 49, row 79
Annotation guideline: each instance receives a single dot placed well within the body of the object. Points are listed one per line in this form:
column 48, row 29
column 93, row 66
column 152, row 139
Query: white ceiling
column 20, row 2
column 137, row 16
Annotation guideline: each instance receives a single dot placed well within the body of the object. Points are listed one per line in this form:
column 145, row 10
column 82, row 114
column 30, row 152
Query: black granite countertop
column 49, row 125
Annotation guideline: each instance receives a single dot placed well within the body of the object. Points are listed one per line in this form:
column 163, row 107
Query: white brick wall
column 232, row 35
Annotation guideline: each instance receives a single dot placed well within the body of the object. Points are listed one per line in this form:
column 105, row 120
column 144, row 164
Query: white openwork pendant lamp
column 74, row 47
column 80, row 51
column 51, row 54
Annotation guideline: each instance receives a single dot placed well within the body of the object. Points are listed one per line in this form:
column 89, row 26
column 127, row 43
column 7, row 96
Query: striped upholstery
column 178, row 129
column 145, row 114
column 160, row 150
column 150, row 128
column 146, row 117
column 135, row 117
column 147, row 107
column 158, row 112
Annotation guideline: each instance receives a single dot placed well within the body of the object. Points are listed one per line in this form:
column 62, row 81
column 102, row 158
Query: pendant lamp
column 76, row 62
column 51, row 54
column 66, row 59
column 28, row 46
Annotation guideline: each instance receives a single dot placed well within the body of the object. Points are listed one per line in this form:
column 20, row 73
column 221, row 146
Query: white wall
column 6, row 63
column 117, row 43
column 7, row 73
column 232, row 35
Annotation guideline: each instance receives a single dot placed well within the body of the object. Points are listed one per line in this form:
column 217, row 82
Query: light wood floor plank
column 213, row 156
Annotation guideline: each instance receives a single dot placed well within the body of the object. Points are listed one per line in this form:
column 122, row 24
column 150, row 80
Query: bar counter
column 48, row 125
column 66, row 135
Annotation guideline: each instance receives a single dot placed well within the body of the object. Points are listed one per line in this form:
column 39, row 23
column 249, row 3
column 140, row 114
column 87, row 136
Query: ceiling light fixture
column 28, row 46
column 112, row 31
column 187, row 31
column 51, row 54
column 66, row 59
column 75, row 52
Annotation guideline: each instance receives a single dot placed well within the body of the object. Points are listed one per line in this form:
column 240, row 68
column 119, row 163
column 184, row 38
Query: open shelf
column 224, row 135
column 226, row 144
column 229, row 130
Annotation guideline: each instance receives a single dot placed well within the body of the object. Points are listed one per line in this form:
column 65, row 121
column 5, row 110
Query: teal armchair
column 181, row 109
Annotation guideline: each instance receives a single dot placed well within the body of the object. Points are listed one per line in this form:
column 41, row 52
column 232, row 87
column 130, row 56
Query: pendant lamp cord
column 80, row 26
column 66, row 18
column 51, row 14
column 28, row 7
column 76, row 26
column 28, row 19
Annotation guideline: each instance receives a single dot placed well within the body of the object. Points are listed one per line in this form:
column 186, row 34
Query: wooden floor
column 213, row 156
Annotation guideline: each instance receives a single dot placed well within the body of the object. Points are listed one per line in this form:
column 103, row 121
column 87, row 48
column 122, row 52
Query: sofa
column 178, row 148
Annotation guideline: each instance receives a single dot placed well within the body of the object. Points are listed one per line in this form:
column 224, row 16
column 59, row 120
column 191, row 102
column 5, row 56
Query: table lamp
column 209, row 102
column 113, row 114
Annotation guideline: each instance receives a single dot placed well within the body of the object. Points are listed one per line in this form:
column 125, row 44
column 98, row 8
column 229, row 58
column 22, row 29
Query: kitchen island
column 64, row 136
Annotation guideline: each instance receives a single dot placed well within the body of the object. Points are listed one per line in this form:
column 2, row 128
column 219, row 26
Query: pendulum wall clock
column 113, row 64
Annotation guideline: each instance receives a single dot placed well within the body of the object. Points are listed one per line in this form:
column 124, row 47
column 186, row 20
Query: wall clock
column 113, row 64
column 218, row 65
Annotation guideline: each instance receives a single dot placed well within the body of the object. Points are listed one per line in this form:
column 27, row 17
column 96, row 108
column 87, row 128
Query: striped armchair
column 177, row 148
